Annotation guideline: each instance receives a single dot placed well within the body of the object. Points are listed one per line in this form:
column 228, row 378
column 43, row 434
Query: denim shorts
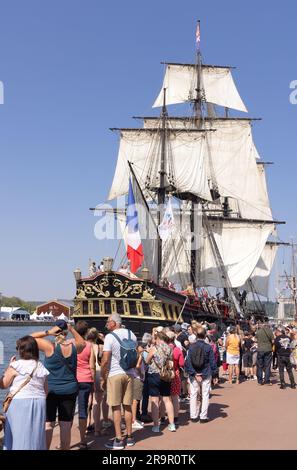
column 84, row 390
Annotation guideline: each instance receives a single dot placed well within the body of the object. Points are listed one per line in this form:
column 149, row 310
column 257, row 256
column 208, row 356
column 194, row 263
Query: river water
column 8, row 337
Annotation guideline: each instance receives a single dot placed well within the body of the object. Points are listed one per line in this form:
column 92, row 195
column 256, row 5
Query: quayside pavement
column 245, row 416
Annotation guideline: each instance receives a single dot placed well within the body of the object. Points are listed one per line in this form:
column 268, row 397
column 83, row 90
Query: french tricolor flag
column 133, row 240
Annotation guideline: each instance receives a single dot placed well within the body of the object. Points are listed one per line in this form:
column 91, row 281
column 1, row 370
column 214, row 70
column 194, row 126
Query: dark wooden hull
column 141, row 304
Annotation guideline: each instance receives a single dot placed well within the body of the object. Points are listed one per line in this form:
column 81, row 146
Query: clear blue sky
column 71, row 69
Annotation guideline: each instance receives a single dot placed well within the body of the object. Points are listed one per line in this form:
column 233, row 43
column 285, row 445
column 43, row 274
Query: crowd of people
column 128, row 383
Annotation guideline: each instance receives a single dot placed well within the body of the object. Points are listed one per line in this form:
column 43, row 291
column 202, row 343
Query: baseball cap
column 61, row 324
column 177, row 328
column 185, row 326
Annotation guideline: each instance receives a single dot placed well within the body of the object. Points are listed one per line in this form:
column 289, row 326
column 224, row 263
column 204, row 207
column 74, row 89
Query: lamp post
column 145, row 274
column 77, row 274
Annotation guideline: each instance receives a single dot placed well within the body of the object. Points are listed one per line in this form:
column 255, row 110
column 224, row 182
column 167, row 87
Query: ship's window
column 107, row 307
column 96, row 307
column 120, row 307
column 133, row 310
column 146, row 308
column 85, row 307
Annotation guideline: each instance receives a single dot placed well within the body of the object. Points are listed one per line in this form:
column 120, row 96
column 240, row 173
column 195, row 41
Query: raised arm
column 43, row 344
column 79, row 341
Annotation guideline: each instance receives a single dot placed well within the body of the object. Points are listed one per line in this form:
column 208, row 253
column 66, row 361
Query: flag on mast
column 167, row 225
column 198, row 37
column 132, row 234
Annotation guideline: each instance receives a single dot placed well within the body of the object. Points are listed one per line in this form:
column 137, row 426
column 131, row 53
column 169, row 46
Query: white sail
column 231, row 163
column 261, row 273
column 176, row 251
column 143, row 149
column 180, row 82
column 240, row 245
column 232, row 166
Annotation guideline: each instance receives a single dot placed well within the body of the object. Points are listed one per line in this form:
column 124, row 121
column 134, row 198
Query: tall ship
column 197, row 226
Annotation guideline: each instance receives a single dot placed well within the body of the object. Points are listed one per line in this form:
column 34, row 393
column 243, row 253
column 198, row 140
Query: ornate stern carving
column 125, row 288
column 157, row 310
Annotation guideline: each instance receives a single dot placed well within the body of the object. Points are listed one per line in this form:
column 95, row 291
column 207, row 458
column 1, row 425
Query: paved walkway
column 244, row 416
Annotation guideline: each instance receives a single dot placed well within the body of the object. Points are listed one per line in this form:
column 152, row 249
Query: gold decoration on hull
column 126, row 288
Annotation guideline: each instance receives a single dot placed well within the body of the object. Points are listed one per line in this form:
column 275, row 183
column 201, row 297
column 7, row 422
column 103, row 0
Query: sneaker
column 194, row 420
column 156, row 429
column 137, row 425
column 171, row 427
column 115, row 444
column 293, row 385
column 130, row 442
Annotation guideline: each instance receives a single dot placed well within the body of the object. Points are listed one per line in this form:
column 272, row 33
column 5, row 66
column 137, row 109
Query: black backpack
column 198, row 357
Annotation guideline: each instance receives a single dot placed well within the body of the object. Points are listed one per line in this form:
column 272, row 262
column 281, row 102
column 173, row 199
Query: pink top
column 83, row 372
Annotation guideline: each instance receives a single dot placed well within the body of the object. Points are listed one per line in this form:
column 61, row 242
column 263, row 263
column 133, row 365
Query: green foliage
column 17, row 302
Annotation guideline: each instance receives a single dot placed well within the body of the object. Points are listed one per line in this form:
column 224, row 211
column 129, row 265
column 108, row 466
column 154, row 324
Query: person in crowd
column 178, row 364
column 92, row 268
column 97, row 340
column 124, row 269
column 146, row 341
column 27, row 379
column 214, row 347
column 247, row 355
column 201, row 367
column 233, row 353
column 293, row 356
column 61, row 362
column 254, row 351
column 283, row 350
column 117, row 381
column 265, row 339
column 159, row 390
column 139, row 376
column 85, row 373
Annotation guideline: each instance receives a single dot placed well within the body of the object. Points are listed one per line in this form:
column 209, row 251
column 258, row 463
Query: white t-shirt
column 112, row 344
column 33, row 389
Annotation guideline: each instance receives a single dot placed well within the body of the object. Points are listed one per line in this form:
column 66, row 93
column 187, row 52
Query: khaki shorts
column 137, row 389
column 120, row 390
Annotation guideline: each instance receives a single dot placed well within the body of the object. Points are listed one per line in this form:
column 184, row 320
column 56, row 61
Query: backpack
column 198, row 357
column 128, row 351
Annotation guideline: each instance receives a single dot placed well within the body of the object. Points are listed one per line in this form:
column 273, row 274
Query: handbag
column 2, row 421
column 8, row 399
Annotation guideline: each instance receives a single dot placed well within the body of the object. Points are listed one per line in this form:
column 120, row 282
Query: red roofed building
column 56, row 308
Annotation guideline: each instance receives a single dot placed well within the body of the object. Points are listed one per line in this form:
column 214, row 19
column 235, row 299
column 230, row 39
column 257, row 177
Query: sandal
column 83, row 446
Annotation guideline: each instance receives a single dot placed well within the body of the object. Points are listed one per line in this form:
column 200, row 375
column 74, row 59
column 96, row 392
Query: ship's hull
column 142, row 304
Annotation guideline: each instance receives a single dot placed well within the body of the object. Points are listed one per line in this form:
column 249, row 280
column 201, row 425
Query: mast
column 294, row 287
column 198, row 114
column 162, row 186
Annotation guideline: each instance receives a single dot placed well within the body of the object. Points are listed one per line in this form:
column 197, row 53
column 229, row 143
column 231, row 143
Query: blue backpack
column 128, row 351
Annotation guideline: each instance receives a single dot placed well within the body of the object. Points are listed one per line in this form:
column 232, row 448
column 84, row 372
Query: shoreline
column 25, row 323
